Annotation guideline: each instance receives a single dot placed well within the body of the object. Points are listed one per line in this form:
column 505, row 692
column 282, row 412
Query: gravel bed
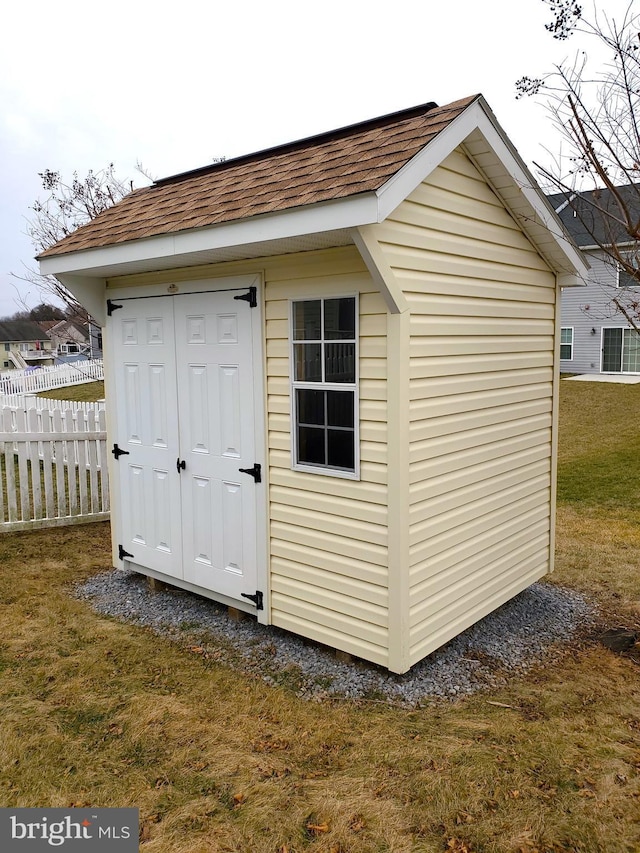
column 530, row 629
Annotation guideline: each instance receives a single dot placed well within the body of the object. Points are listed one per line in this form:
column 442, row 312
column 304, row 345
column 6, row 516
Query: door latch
column 256, row 472
column 180, row 464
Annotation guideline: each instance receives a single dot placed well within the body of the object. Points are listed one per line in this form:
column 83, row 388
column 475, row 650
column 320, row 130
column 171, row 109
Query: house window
column 324, row 385
column 7, row 347
column 620, row 351
column 624, row 279
column 566, row 343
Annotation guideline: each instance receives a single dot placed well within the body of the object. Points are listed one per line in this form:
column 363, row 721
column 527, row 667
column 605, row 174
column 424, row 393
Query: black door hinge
column 111, row 307
column 251, row 297
column 122, row 553
column 117, row 452
column 256, row 472
column 180, row 464
column 257, row 599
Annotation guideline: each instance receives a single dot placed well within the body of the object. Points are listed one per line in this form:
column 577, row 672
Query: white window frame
column 325, row 470
column 564, row 343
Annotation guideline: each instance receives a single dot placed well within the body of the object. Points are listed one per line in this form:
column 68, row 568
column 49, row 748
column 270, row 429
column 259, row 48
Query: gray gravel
column 530, row 629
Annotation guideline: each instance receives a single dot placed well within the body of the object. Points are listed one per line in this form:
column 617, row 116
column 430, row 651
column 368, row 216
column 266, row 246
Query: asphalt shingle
column 331, row 166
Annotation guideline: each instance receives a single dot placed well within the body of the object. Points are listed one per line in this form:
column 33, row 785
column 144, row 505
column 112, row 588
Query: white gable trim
column 477, row 130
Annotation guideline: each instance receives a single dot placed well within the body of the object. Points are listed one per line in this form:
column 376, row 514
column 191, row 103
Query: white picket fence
column 53, row 467
column 22, row 401
column 47, row 378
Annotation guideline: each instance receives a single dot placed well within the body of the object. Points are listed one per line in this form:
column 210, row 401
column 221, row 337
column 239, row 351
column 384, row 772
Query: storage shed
column 332, row 378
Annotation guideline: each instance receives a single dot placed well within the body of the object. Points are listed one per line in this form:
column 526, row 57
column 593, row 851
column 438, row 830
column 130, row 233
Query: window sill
column 327, row 472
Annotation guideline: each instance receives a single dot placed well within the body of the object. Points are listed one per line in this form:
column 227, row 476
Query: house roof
column 342, row 163
column 65, row 329
column 592, row 217
column 21, row 330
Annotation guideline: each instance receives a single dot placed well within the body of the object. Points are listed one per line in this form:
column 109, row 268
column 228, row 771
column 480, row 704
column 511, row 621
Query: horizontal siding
column 431, row 428
column 327, row 628
column 473, row 440
column 479, row 473
column 482, row 326
column 442, row 588
column 328, row 535
column 432, row 508
column 468, row 608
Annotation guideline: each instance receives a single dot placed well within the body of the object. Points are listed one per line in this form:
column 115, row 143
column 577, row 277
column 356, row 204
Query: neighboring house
column 73, row 340
column 23, row 344
column 69, row 339
column 333, row 396
column 596, row 336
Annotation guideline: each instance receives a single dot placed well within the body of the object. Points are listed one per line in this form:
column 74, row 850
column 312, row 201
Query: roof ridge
column 304, row 142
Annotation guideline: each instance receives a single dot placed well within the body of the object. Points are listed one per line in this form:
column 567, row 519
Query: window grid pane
column 325, row 352
column 320, row 440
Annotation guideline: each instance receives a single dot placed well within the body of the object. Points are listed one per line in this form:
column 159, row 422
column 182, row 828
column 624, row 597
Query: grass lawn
column 99, row 713
column 89, row 392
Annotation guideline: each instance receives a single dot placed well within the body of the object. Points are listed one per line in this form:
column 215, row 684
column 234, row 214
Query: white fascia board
column 312, row 219
column 477, row 117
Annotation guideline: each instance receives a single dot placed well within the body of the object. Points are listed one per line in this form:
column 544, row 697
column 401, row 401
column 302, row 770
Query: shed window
column 566, row 343
column 324, row 384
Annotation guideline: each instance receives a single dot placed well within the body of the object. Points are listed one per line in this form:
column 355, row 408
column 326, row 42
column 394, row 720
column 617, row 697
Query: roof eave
column 270, row 234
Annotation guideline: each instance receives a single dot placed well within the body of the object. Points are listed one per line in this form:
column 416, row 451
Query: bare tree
column 594, row 102
column 66, row 206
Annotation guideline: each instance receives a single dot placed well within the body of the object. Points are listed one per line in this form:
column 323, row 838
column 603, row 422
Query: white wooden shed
column 332, row 378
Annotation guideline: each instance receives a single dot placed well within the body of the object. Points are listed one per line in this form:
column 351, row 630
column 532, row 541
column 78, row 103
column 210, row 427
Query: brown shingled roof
column 335, row 165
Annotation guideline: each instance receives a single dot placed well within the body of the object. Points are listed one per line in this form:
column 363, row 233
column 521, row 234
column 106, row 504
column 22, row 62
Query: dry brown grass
column 102, row 713
column 99, row 712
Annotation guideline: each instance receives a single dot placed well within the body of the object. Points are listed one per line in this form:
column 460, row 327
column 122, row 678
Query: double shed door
column 184, row 380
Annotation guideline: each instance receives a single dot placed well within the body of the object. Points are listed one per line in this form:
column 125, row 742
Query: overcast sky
column 174, row 85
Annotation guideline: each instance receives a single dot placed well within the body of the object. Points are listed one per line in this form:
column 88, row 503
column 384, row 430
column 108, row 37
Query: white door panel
column 185, row 388
column 147, row 429
column 215, row 385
